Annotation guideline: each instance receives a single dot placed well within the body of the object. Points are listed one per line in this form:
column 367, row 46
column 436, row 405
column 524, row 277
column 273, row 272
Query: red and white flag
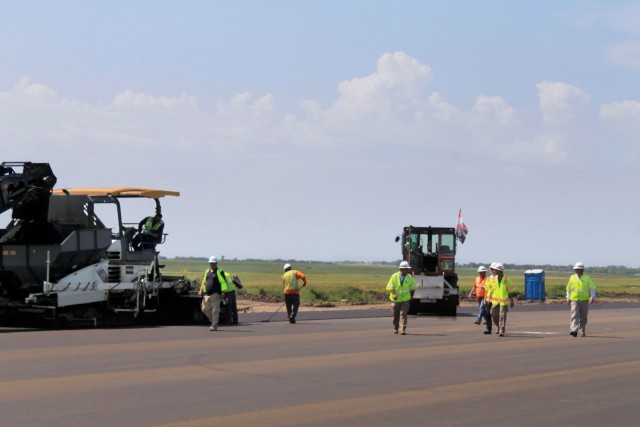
column 461, row 229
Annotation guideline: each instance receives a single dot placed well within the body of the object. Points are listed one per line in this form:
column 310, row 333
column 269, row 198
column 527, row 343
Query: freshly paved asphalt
column 329, row 369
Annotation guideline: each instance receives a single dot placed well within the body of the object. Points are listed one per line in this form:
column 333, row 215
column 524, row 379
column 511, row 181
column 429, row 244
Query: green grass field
column 362, row 284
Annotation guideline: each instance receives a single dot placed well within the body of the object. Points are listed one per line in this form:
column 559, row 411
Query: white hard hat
column 482, row 269
column 578, row 266
column 404, row 264
column 286, row 266
column 213, row 260
column 498, row 266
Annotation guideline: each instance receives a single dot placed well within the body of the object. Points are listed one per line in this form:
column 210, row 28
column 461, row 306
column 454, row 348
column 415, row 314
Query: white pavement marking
column 537, row 333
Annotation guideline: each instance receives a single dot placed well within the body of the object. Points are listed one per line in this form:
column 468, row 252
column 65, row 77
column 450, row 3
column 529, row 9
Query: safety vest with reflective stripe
column 478, row 285
column 223, row 283
column 402, row 288
column 150, row 226
column 290, row 280
column 501, row 290
column 230, row 285
column 580, row 288
column 488, row 289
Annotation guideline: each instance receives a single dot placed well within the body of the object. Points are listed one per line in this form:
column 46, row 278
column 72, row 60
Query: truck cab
column 431, row 251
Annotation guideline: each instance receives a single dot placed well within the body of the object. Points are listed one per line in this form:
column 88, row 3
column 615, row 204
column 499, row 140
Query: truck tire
column 413, row 306
column 450, row 307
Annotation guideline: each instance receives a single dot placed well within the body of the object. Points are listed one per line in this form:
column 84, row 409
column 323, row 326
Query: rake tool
column 274, row 313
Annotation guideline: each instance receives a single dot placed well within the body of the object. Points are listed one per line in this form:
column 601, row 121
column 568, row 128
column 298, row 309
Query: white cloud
column 28, row 95
column 397, row 83
column 390, row 108
column 437, row 108
column 560, row 102
column 493, row 109
column 130, row 99
column 386, row 132
column 623, row 111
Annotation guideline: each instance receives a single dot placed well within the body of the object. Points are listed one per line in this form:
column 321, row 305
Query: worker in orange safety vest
column 479, row 291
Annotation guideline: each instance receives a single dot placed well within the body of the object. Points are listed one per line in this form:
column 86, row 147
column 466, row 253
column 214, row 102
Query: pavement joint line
column 537, row 333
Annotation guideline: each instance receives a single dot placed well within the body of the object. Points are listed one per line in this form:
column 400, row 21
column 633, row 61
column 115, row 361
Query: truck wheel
column 450, row 308
column 413, row 307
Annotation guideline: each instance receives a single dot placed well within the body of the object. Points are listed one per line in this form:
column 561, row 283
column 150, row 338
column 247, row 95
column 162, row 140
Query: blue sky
column 317, row 130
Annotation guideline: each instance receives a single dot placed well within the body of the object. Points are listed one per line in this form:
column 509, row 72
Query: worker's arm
column 391, row 290
column 202, row 284
column 302, row 277
column 158, row 233
column 473, row 288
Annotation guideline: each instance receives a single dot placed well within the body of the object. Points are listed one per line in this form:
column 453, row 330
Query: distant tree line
column 281, row 260
column 619, row 270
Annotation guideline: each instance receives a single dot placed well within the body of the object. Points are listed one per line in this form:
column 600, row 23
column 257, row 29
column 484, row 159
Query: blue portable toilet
column 534, row 285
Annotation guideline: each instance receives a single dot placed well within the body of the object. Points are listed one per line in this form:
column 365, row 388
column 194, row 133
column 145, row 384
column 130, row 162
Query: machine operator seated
column 149, row 233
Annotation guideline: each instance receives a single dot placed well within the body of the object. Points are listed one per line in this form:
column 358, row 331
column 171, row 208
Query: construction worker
column 214, row 286
column 401, row 287
column 479, row 291
column 581, row 291
column 149, row 233
column 501, row 297
column 291, row 289
column 232, row 306
column 486, row 307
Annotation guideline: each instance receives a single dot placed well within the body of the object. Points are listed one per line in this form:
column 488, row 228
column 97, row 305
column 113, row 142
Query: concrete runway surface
column 330, row 369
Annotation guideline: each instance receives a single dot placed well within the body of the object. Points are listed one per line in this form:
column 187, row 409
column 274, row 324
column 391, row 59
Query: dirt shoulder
column 249, row 306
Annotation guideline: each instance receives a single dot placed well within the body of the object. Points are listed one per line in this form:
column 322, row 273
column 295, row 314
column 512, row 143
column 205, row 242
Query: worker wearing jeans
column 479, row 291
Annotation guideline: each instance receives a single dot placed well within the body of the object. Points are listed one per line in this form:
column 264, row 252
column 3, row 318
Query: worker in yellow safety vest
column 233, row 282
column 291, row 288
column 149, row 233
column 214, row 286
column 501, row 297
column 581, row 291
column 486, row 308
column 401, row 288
